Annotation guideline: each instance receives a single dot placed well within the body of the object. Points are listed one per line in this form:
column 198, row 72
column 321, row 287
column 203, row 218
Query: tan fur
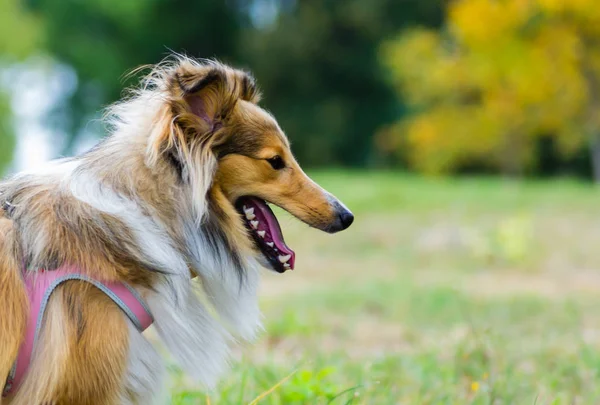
column 13, row 299
column 81, row 359
column 290, row 189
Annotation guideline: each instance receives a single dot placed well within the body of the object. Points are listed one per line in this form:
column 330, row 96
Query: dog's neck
column 213, row 245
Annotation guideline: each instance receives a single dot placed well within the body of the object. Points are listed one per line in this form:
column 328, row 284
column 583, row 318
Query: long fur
column 152, row 205
column 120, row 212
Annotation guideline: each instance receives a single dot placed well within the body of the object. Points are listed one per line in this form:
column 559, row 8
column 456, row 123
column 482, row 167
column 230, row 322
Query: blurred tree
column 502, row 75
column 317, row 64
column 19, row 37
column 103, row 39
column 7, row 136
column 316, row 60
column 19, row 31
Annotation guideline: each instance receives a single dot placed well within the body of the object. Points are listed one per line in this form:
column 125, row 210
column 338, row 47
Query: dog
column 174, row 205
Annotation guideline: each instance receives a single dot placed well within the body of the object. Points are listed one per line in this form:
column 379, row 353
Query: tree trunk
column 591, row 122
column 512, row 159
column 595, row 155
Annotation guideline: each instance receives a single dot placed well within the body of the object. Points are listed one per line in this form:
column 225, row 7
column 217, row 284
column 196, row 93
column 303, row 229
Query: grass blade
column 343, row 392
column 273, row 388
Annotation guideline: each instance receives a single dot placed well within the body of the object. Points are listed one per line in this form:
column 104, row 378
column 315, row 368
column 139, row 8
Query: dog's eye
column 276, row 162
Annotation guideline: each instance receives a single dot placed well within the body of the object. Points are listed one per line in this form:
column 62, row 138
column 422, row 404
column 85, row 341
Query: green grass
column 458, row 291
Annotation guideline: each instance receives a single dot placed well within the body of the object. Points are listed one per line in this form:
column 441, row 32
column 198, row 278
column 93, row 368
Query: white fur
column 201, row 175
column 186, row 327
column 145, row 371
column 150, row 236
column 196, row 340
column 234, row 299
column 58, row 167
column 39, row 242
column 236, row 304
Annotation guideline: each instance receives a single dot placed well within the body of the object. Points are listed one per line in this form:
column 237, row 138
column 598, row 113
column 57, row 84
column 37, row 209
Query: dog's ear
column 240, row 83
column 205, row 93
column 211, row 91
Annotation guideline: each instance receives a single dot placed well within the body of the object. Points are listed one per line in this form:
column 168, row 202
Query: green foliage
column 104, row 39
column 319, row 70
column 264, row 384
column 316, row 61
column 500, row 77
column 7, row 138
column 479, row 85
column 291, row 322
column 20, row 35
column 20, row 31
column 494, row 350
column 308, row 386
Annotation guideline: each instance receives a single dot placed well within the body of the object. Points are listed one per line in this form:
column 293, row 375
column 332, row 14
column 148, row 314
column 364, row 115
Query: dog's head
column 237, row 159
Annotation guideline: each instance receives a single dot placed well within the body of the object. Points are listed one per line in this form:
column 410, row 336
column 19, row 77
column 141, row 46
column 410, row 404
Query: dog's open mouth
column 265, row 230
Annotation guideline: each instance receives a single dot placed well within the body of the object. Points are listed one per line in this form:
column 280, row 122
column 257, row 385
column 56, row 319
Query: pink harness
column 40, row 286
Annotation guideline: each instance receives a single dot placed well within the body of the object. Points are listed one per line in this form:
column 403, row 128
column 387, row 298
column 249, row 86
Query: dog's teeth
column 261, row 234
column 286, row 266
column 254, row 224
column 249, row 213
column 284, row 259
column 270, row 244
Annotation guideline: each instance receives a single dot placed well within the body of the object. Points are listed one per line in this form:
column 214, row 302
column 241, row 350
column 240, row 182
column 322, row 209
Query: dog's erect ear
column 205, row 93
column 211, row 90
column 194, row 81
column 197, row 77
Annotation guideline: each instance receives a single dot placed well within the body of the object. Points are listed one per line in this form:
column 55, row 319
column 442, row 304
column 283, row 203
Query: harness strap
column 41, row 284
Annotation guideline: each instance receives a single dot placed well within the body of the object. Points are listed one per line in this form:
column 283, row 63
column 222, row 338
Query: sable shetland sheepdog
column 177, row 192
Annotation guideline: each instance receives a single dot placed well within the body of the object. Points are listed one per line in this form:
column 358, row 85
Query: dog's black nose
column 342, row 217
column 346, row 218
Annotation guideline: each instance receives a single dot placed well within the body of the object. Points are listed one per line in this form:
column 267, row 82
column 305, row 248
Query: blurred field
column 452, row 291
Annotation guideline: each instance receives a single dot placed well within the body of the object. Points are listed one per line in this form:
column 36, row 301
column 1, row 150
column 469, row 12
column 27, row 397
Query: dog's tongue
column 265, row 225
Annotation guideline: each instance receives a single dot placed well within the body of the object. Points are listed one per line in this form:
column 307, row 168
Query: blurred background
column 464, row 134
